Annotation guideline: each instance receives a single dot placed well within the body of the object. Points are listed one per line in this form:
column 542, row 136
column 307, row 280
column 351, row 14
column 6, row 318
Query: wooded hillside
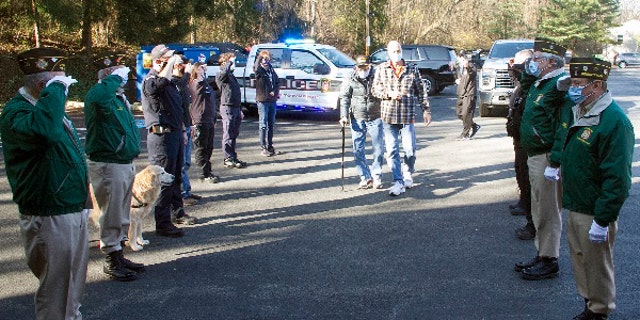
column 87, row 27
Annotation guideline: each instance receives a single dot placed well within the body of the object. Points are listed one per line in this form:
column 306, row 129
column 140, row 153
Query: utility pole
column 368, row 40
column 313, row 18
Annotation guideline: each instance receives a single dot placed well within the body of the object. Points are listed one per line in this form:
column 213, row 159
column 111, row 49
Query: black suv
column 436, row 63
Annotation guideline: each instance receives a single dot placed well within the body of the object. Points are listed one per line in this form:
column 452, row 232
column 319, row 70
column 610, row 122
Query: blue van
column 204, row 52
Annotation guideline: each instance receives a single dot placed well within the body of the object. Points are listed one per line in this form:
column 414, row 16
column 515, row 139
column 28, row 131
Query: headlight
column 488, row 73
column 487, row 79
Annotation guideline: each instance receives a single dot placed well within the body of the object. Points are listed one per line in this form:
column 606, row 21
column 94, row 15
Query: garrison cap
column 45, row 59
column 109, row 60
column 592, row 68
column 161, row 51
column 361, row 62
column 548, row 46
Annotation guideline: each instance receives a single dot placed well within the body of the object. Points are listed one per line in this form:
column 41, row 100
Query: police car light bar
column 291, row 41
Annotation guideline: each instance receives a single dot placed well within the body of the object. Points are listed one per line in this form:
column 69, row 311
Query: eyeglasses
column 538, row 58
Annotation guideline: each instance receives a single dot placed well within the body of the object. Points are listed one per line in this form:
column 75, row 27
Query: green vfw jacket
column 539, row 128
column 112, row 135
column 596, row 161
column 44, row 159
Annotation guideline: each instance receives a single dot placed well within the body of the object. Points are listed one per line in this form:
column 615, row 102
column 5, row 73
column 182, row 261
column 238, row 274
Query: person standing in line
column 401, row 90
column 181, row 76
column 162, row 108
column 230, row 109
column 112, row 142
column 47, row 171
column 203, row 115
column 466, row 103
column 541, row 137
column 596, row 178
column 267, row 93
column 363, row 110
column 516, row 108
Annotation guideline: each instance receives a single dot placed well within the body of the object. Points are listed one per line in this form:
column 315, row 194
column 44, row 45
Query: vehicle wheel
column 485, row 111
column 429, row 84
column 622, row 64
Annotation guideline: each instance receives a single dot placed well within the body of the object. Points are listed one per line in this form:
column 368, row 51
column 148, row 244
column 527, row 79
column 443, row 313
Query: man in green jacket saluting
column 541, row 138
column 113, row 141
column 596, row 177
column 47, row 171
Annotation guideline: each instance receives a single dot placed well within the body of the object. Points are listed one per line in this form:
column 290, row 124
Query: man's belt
column 158, row 129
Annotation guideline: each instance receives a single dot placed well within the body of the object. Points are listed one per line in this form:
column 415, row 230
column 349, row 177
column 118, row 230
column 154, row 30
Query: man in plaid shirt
column 401, row 90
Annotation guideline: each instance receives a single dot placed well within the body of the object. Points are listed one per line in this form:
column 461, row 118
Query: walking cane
column 342, row 162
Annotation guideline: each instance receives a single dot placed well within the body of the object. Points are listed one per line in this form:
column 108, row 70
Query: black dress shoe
column 526, row 264
column 528, row 232
column 546, row 268
column 170, row 231
column 590, row 315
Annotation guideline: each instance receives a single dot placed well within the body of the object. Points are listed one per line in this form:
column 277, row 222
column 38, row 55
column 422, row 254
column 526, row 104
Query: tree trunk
column 86, row 41
column 36, row 27
column 192, row 26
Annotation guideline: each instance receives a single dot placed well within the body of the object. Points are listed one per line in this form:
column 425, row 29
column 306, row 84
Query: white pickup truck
column 310, row 75
column 495, row 85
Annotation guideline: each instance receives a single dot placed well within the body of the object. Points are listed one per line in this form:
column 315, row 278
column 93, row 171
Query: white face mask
column 395, row 57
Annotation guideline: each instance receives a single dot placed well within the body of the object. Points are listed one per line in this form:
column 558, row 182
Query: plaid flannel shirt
column 409, row 83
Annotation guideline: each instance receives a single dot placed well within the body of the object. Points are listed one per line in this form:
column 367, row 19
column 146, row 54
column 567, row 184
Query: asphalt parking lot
column 280, row 239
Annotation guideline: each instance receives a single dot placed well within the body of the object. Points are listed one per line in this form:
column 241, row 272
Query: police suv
column 310, row 75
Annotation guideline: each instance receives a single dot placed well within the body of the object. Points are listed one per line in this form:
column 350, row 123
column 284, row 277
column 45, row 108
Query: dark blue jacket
column 229, row 87
column 161, row 102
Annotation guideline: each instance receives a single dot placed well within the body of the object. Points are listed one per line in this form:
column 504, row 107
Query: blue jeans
column 392, row 134
column 267, row 119
column 186, row 164
column 359, row 130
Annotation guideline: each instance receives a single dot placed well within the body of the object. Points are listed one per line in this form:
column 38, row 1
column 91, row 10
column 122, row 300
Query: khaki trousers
column 112, row 186
column 57, row 249
column 592, row 263
column 545, row 207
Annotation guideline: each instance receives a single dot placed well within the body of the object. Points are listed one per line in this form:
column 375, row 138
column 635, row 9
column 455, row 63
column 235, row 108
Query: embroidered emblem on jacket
column 585, row 135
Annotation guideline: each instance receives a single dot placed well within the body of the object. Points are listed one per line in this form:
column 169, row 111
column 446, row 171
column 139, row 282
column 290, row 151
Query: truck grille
column 503, row 80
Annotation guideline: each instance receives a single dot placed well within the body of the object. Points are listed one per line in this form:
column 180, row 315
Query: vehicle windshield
column 501, row 50
column 339, row 59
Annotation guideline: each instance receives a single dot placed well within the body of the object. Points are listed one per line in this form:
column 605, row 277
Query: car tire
column 485, row 111
column 622, row 65
column 429, row 84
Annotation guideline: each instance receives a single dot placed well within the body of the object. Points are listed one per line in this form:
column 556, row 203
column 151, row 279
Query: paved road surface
column 281, row 240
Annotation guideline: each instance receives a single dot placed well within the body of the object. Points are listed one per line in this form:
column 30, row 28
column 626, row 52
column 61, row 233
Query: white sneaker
column 365, row 184
column 377, row 183
column 408, row 181
column 396, row 189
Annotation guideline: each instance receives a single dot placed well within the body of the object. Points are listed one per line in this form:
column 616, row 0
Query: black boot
column 115, row 269
column 133, row 266
column 526, row 264
column 546, row 268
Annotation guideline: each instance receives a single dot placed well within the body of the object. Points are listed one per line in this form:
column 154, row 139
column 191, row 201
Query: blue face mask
column 575, row 93
column 534, row 68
